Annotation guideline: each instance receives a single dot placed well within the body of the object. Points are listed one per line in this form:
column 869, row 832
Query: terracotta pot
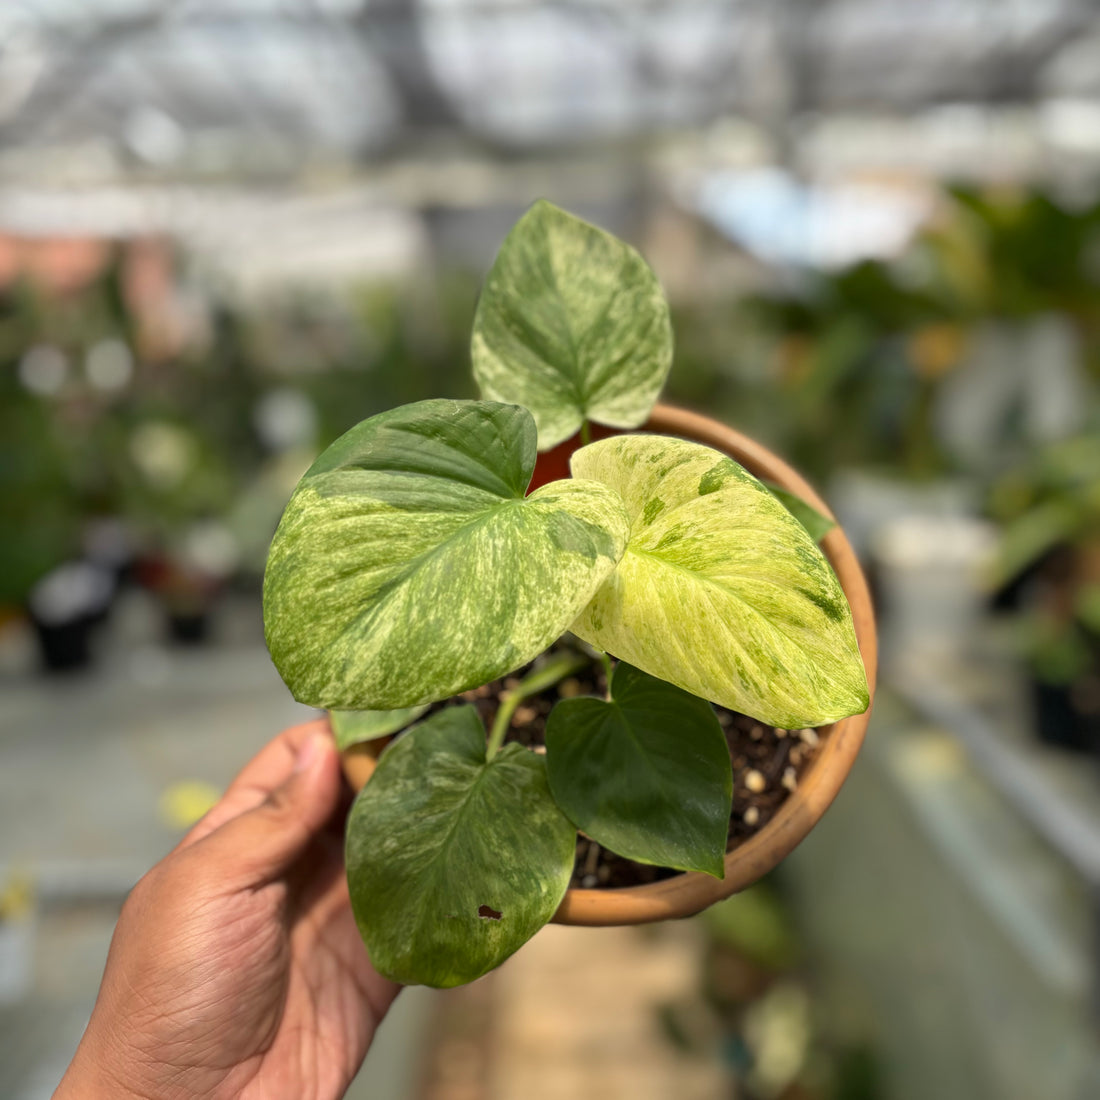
column 691, row 892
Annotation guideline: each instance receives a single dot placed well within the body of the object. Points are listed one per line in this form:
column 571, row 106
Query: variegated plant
column 412, row 564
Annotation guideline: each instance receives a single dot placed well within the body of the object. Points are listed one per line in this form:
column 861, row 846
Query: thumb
column 263, row 842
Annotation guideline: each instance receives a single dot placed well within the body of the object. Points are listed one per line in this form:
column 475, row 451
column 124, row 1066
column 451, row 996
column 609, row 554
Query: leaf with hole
column 721, row 591
column 573, row 325
column 409, row 566
column 454, row 862
column 646, row 774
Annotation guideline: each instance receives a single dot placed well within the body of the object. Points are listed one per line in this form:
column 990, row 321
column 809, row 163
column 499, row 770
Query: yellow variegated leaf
column 409, row 565
column 721, row 590
column 573, row 325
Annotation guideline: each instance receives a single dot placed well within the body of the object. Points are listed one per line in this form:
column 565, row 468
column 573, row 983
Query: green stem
column 608, row 668
column 557, row 668
column 586, row 433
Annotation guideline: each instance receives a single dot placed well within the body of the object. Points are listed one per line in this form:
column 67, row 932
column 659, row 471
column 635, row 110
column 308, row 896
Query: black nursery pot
column 1059, row 721
column 65, row 606
column 64, row 646
column 189, row 628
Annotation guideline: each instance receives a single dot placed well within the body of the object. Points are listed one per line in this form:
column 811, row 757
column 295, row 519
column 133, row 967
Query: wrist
column 95, row 1075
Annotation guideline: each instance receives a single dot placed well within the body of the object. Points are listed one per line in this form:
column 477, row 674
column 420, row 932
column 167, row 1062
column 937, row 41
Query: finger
column 267, row 770
column 274, row 763
column 264, row 841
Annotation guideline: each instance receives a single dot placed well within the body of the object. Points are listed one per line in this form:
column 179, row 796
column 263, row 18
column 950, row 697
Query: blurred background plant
column 1047, row 569
column 878, row 365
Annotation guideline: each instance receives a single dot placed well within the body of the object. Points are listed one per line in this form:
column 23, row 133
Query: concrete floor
column 580, row 1017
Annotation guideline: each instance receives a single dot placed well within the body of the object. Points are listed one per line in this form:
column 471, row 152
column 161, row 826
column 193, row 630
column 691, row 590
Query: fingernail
column 310, row 751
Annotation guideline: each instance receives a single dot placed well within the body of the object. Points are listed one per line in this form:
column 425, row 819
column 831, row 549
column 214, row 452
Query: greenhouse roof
column 232, row 86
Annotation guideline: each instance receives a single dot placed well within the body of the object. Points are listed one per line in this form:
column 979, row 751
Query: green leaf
column 573, row 325
column 1026, row 539
column 1086, row 606
column 454, row 863
column 409, row 566
column 816, row 523
column 721, row 590
column 352, row 727
column 646, row 774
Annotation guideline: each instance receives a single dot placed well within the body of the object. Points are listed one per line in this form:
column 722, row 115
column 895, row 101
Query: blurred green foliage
column 181, row 438
column 1049, row 511
column 758, row 925
column 40, row 513
column 1049, row 501
column 846, row 368
column 1014, row 253
column 834, row 370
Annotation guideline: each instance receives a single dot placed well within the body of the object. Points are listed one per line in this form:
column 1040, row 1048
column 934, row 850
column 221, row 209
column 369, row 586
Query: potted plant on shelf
column 174, row 481
column 1048, row 564
column 613, row 627
column 39, row 577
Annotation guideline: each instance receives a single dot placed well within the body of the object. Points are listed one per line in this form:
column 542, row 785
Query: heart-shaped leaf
column 646, row 774
column 816, row 523
column 721, row 590
column 409, row 566
column 573, row 325
column 353, row 727
column 453, row 862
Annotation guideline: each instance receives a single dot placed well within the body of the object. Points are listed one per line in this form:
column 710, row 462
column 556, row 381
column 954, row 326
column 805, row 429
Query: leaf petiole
column 608, row 669
column 537, row 680
column 586, row 432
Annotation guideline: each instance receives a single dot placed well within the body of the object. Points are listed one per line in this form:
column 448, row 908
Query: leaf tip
column 714, row 864
column 863, row 697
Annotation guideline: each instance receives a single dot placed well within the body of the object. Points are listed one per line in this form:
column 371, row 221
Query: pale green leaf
column 646, row 774
column 721, row 590
column 573, row 325
column 352, row 727
column 454, row 863
column 409, row 566
column 816, row 523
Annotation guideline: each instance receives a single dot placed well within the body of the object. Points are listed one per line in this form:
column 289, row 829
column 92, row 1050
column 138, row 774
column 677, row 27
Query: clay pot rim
column 690, row 892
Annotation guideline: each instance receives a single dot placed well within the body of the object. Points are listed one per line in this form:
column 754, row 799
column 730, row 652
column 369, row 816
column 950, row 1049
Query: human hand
column 236, row 969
